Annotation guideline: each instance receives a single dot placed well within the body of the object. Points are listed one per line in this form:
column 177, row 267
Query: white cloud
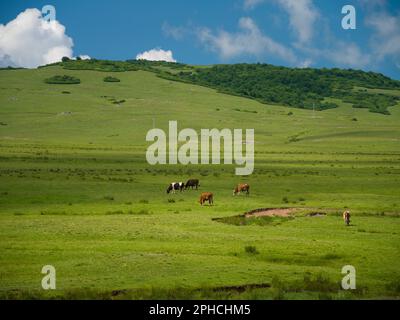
column 29, row 41
column 306, row 63
column 249, row 40
column 177, row 33
column 156, row 55
column 340, row 53
column 302, row 16
column 84, row 57
column 347, row 55
column 250, row 4
column 385, row 40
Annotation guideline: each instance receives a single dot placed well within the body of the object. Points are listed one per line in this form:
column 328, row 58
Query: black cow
column 192, row 183
column 174, row 186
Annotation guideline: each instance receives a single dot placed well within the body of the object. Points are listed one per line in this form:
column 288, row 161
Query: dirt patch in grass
column 270, row 212
column 261, row 217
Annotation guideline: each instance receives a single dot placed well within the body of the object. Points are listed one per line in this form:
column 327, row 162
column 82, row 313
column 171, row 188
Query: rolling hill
column 76, row 190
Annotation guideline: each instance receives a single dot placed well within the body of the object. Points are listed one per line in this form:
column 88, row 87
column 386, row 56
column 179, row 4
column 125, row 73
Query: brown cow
column 207, row 196
column 346, row 217
column 242, row 187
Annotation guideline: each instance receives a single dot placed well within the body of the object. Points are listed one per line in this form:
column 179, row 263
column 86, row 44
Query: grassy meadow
column 77, row 193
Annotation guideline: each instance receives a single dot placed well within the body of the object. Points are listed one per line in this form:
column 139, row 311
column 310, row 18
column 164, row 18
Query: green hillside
column 303, row 88
column 76, row 191
column 299, row 88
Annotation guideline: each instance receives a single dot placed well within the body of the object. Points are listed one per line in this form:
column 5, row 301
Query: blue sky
column 283, row 32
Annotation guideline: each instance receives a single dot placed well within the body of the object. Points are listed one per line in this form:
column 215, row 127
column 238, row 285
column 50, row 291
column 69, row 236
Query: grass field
column 77, row 193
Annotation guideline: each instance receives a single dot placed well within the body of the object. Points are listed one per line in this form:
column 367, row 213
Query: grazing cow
column 346, row 217
column 207, row 196
column 192, row 183
column 241, row 187
column 174, row 186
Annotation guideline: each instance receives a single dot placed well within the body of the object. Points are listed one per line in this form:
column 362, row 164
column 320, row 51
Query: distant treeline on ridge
column 305, row 88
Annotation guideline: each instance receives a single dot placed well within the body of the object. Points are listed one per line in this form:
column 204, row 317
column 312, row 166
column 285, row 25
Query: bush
column 62, row 80
column 111, row 79
column 285, row 200
column 251, row 250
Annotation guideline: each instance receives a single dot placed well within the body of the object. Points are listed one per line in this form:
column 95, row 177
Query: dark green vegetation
column 300, row 88
column 76, row 192
column 62, row 80
column 113, row 99
column 120, row 66
column 375, row 102
column 111, row 79
column 303, row 88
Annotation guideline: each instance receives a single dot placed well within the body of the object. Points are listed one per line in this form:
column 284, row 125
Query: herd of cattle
column 205, row 196
column 209, row 196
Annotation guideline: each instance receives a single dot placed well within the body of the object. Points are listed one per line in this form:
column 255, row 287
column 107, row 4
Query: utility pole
column 313, row 108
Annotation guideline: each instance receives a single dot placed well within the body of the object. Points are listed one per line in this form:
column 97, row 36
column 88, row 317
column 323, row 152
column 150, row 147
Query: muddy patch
column 260, row 217
column 271, row 216
column 270, row 212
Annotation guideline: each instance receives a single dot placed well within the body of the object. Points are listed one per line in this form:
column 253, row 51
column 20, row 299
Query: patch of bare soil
column 268, row 212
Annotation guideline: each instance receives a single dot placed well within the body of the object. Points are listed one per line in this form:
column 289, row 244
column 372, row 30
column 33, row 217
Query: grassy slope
column 60, row 172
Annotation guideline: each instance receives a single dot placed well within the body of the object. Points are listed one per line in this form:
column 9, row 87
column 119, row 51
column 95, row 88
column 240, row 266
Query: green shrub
column 285, row 200
column 111, row 79
column 62, row 80
column 251, row 250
